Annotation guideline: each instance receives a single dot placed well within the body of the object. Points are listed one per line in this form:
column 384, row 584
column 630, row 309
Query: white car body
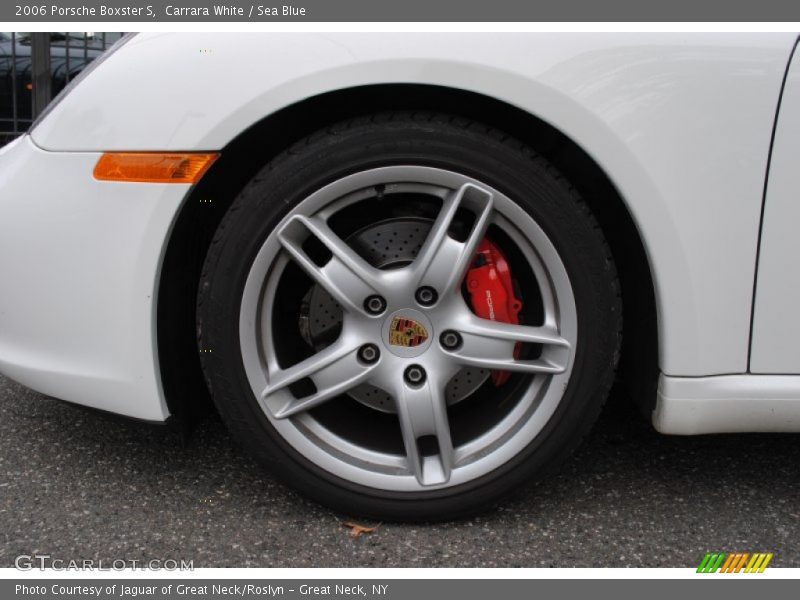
column 681, row 124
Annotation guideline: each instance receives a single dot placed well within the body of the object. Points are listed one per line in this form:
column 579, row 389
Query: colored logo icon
column 741, row 562
column 407, row 332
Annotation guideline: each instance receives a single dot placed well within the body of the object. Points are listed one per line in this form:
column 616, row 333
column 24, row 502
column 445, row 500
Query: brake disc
column 388, row 244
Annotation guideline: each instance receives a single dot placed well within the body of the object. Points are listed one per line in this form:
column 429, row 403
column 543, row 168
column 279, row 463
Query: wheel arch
column 184, row 388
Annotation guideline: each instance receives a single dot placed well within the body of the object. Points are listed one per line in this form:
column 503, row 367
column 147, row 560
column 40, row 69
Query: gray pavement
column 77, row 485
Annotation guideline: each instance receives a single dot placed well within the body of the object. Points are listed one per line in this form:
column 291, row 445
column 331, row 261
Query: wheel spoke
column 486, row 328
column 422, row 412
column 333, row 371
column 443, row 261
column 346, row 276
column 490, row 345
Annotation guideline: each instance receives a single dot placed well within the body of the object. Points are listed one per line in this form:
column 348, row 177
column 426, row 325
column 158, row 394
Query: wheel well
column 183, row 383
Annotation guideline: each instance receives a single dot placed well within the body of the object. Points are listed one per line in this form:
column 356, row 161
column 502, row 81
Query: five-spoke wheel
column 350, row 351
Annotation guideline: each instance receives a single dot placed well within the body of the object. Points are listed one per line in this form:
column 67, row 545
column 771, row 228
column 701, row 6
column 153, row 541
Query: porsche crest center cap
column 407, row 333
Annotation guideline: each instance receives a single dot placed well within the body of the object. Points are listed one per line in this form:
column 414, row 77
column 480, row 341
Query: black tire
column 433, row 140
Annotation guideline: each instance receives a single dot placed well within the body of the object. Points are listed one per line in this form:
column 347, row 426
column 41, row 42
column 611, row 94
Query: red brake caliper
column 492, row 293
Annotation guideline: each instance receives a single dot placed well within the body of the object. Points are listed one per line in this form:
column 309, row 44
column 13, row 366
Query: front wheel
column 407, row 316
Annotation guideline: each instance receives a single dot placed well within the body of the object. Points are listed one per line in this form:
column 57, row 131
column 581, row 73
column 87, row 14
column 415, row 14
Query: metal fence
column 34, row 67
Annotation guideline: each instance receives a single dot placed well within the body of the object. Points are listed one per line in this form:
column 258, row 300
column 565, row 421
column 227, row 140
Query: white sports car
column 409, row 267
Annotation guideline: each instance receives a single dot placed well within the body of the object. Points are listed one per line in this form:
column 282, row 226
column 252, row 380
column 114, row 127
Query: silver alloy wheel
column 421, row 407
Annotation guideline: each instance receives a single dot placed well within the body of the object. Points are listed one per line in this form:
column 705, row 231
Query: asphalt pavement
column 78, row 485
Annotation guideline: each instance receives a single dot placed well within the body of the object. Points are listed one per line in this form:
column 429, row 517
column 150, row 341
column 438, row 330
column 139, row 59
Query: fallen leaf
column 357, row 530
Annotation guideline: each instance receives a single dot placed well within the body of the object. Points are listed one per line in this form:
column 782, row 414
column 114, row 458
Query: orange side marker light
column 153, row 167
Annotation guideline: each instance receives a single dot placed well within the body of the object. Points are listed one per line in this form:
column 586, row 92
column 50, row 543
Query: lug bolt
column 375, row 305
column 368, row 353
column 426, row 296
column 414, row 375
column 450, row 340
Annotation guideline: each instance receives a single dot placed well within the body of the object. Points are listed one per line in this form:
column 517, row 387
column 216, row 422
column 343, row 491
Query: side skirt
column 727, row 404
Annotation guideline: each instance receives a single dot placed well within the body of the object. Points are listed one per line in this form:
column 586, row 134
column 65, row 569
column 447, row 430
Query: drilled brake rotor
column 388, row 244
